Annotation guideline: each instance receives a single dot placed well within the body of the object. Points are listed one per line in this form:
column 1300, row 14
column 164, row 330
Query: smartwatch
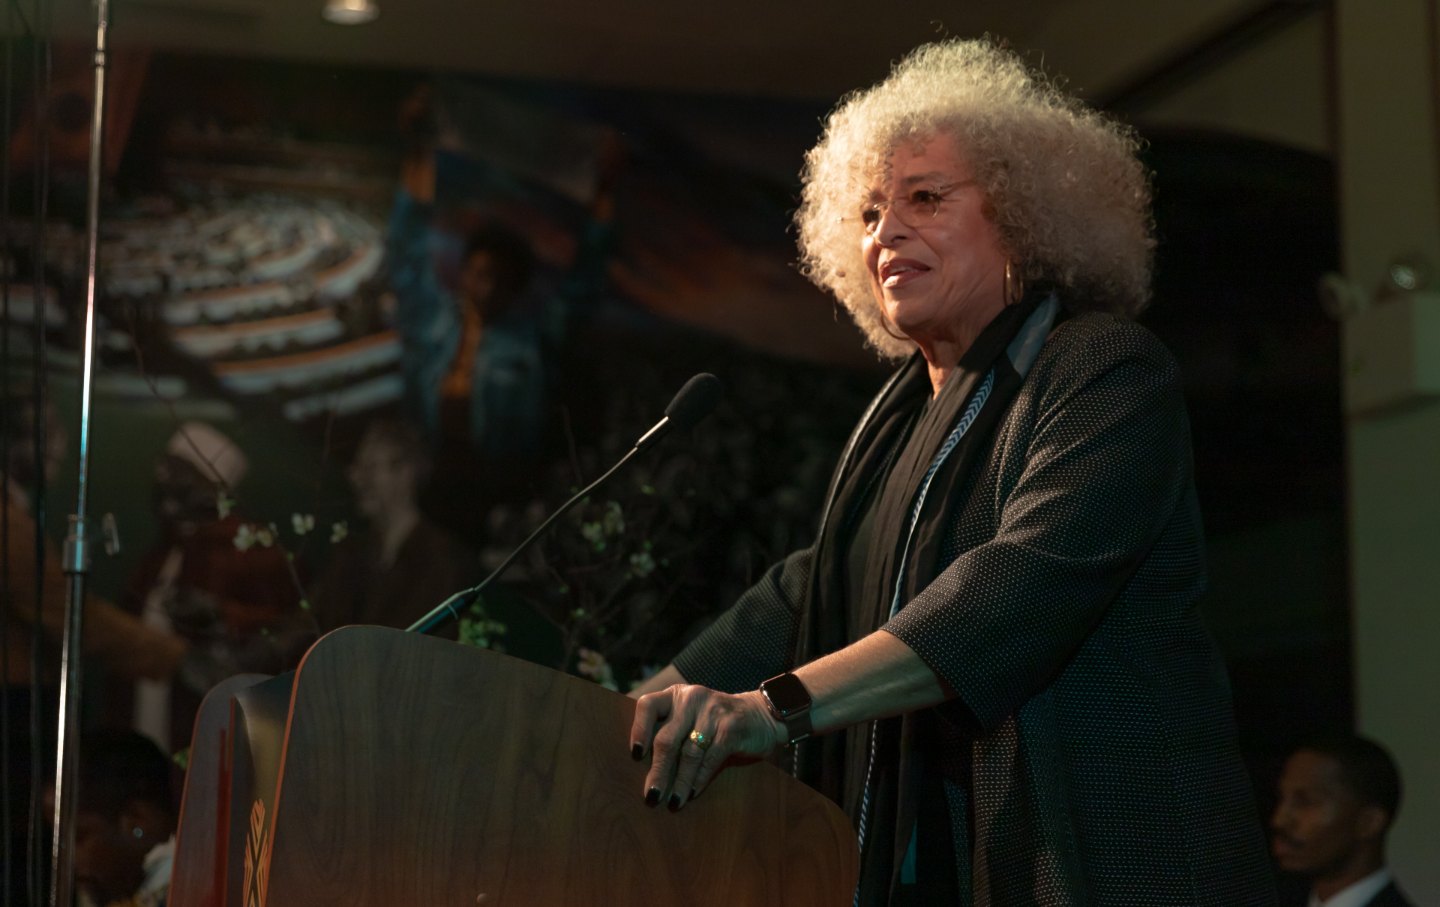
column 789, row 703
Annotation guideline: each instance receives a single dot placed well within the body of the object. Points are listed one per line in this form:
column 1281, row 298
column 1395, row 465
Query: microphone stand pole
column 77, row 543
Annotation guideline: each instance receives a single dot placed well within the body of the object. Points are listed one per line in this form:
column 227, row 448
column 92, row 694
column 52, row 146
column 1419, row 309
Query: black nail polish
column 674, row 804
column 636, row 751
column 652, row 796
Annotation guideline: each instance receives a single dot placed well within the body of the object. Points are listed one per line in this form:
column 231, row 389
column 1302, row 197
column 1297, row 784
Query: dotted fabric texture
column 1089, row 755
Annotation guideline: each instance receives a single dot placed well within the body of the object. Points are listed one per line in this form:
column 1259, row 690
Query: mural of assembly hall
column 18, row 315
column 277, row 296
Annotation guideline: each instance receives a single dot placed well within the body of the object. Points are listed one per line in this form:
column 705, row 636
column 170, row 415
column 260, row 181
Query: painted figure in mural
column 401, row 565
column 481, row 351
column 472, row 350
column 1338, row 797
column 115, row 639
column 125, row 821
column 991, row 656
column 240, row 609
column 122, row 644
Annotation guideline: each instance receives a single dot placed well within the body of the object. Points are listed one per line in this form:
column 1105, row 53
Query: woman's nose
column 889, row 227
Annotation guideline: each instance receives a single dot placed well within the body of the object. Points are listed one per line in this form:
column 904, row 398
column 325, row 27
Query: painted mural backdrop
column 283, row 255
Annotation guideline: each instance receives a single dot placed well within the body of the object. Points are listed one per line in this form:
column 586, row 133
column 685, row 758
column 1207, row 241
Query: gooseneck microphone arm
column 451, row 607
column 693, row 403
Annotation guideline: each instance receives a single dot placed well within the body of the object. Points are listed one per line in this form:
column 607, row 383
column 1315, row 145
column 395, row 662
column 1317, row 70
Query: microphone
column 696, row 400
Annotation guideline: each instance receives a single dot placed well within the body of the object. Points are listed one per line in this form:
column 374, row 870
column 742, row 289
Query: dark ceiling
column 741, row 48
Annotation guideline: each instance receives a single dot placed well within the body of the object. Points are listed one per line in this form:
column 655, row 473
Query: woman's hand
column 724, row 727
column 875, row 677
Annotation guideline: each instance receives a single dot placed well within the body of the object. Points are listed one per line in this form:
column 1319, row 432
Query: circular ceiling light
column 350, row 12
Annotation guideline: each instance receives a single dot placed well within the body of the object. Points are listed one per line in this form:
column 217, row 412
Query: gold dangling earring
column 1014, row 284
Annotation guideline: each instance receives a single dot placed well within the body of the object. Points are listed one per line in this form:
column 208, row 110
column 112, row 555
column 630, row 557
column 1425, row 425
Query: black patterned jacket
column 1089, row 755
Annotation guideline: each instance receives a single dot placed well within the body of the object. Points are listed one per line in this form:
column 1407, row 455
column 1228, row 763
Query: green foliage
column 479, row 629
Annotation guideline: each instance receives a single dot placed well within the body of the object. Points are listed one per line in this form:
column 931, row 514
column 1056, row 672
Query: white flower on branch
column 592, row 664
column 245, row 537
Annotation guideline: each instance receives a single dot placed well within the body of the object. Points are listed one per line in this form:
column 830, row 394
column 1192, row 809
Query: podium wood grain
column 419, row 772
column 200, row 857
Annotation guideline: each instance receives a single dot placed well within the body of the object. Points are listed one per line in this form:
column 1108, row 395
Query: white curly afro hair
column 1067, row 193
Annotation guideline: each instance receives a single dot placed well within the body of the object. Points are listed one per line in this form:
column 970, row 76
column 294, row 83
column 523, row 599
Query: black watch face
column 787, row 694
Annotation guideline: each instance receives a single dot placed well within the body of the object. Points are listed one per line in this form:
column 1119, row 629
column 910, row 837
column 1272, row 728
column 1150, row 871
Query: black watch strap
column 789, row 703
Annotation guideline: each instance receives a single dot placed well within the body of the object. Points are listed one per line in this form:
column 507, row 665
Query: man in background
column 125, row 822
column 1337, row 799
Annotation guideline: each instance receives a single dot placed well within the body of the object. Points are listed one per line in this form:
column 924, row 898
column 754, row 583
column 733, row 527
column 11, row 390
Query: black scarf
column 886, row 463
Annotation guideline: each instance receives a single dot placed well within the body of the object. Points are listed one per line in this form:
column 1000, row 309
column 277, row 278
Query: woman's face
column 937, row 278
column 477, row 277
column 384, row 480
column 182, row 494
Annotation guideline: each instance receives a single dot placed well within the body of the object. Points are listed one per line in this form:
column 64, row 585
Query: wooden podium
column 407, row 771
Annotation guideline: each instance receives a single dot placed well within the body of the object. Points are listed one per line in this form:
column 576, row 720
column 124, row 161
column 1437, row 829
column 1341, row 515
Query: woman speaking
column 991, row 656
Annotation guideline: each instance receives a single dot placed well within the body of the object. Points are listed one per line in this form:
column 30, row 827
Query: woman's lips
column 900, row 271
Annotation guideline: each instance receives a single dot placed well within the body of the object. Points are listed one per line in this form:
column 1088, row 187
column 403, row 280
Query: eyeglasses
column 913, row 208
